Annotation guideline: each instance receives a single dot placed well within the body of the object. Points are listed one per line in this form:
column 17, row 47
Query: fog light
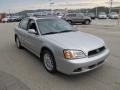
column 78, row 70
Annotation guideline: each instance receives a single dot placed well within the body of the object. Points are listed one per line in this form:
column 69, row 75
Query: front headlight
column 74, row 54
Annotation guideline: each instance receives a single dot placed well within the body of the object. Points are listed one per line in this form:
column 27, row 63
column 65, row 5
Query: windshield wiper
column 67, row 31
column 59, row 32
column 50, row 33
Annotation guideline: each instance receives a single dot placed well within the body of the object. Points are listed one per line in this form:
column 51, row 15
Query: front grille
column 96, row 51
column 95, row 65
column 92, row 66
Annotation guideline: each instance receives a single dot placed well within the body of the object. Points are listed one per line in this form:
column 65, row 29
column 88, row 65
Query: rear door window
column 72, row 15
column 24, row 23
column 80, row 15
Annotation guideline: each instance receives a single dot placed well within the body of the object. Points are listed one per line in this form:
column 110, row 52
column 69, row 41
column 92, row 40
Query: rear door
column 80, row 17
column 72, row 17
column 22, row 27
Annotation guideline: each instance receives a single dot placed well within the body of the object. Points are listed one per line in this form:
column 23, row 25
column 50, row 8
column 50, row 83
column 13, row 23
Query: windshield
column 113, row 13
column 52, row 26
column 91, row 13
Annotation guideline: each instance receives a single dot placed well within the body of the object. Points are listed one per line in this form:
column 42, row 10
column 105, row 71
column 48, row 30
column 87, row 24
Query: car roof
column 43, row 17
column 75, row 13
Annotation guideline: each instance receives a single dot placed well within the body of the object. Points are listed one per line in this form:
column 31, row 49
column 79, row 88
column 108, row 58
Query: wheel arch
column 88, row 20
column 15, row 36
column 46, row 48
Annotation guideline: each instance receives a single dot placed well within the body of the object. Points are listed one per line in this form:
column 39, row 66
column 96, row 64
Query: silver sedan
column 60, row 46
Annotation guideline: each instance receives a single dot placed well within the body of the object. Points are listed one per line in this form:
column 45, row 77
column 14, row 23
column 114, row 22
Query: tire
column 87, row 22
column 69, row 21
column 49, row 61
column 18, row 44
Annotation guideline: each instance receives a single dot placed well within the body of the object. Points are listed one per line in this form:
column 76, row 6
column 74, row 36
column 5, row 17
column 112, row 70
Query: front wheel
column 49, row 61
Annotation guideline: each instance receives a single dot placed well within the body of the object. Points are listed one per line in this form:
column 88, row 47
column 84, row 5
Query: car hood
column 114, row 15
column 76, row 40
column 103, row 15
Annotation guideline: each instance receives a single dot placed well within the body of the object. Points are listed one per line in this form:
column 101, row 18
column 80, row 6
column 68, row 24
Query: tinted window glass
column 23, row 24
column 72, row 15
column 80, row 15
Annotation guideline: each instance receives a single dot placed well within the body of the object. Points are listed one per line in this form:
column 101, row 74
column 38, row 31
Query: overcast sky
column 18, row 5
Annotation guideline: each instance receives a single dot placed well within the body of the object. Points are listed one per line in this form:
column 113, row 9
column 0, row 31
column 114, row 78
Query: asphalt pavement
column 26, row 68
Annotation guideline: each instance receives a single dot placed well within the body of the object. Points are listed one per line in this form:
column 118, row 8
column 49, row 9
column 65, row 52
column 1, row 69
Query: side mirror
column 32, row 31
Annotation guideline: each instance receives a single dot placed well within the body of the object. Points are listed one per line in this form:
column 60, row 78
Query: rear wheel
column 69, row 21
column 87, row 22
column 49, row 61
column 18, row 44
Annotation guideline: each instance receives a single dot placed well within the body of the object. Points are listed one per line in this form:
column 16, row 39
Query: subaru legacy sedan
column 60, row 46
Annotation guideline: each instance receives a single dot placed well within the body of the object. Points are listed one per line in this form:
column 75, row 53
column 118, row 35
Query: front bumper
column 114, row 17
column 103, row 17
column 78, row 66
